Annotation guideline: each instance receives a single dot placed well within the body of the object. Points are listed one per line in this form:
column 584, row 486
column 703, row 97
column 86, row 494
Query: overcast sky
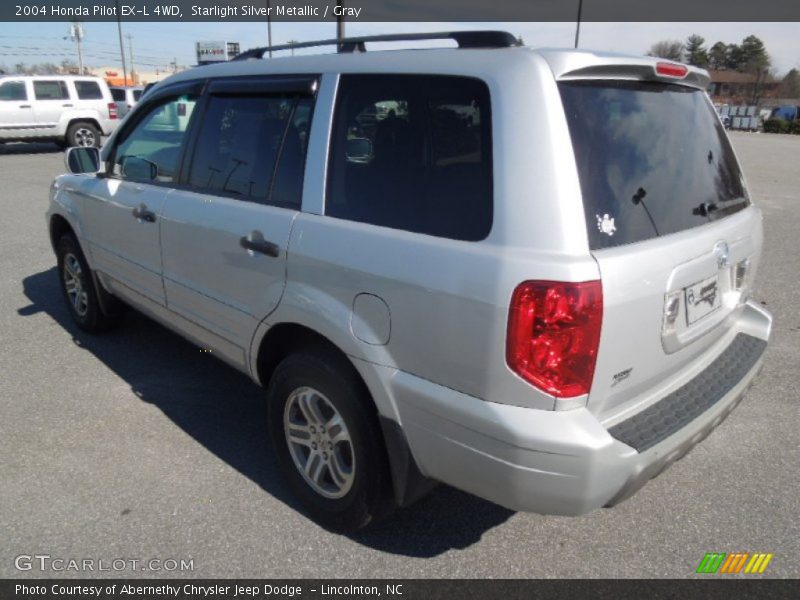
column 157, row 44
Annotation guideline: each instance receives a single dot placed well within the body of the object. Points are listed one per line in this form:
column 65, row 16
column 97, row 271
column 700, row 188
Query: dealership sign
column 212, row 52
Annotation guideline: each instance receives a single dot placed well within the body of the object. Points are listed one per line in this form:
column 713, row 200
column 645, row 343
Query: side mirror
column 141, row 169
column 80, row 160
column 358, row 149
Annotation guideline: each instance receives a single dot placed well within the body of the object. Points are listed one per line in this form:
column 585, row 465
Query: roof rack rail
column 464, row 39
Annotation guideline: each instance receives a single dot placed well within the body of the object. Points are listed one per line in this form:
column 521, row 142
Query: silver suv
column 524, row 273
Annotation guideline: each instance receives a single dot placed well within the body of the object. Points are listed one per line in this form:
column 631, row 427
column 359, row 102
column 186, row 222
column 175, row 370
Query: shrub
column 776, row 126
column 794, row 127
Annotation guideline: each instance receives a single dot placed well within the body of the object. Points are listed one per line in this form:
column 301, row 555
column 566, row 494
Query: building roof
column 732, row 76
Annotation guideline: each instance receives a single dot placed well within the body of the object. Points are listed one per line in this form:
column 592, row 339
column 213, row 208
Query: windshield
column 652, row 159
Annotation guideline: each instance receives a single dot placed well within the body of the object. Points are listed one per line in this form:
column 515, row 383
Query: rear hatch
column 670, row 225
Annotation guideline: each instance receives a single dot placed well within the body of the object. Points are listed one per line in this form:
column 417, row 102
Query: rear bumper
column 567, row 462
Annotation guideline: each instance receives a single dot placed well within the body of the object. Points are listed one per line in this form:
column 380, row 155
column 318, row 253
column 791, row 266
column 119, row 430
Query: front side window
column 50, row 90
column 253, row 148
column 152, row 150
column 13, row 91
column 88, row 90
column 413, row 152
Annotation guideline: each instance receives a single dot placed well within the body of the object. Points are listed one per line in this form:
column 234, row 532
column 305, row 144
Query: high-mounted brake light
column 112, row 110
column 671, row 70
column 553, row 335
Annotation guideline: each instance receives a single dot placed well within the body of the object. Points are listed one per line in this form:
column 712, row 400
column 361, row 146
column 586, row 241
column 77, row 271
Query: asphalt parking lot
column 136, row 445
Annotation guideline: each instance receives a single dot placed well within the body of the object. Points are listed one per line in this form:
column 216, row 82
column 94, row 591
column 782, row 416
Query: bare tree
column 669, row 49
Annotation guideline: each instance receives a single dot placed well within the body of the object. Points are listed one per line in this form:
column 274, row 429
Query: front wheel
column 327, row 441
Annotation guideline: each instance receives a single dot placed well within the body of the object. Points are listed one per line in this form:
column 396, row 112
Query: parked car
column 126, row 98
column 506, row 286
column 785, row 112
column 68, row 110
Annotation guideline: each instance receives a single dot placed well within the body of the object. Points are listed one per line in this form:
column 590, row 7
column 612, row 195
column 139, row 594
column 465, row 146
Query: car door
column 224, row 233
column 124, row 205
column 51, row 98
column 16, row 112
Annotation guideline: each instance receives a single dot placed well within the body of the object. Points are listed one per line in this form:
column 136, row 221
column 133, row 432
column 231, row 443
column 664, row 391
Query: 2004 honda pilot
column 522, row 273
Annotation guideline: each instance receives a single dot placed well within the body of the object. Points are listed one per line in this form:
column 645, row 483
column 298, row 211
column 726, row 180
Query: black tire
column 83, row 133
column 87, row 311
column 369, row 497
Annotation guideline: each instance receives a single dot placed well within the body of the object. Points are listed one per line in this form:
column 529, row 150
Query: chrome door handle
column 67, row 105
column 141, row 212
column 261, row 246
column 24, row 105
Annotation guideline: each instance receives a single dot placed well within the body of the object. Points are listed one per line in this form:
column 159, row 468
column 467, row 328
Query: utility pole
column 578, row 26
column 340, row 22
column 269, row 28
column 121, row 47
column 130, row 58
column 76, row 35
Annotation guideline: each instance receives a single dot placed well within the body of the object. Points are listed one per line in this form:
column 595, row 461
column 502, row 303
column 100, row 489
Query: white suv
column 524, row 273
column 68, row 110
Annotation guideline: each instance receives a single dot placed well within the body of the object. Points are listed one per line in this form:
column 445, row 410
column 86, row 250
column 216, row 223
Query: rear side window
column 13, row 91
column 137, row 94
column 253, row 148
column 88, row 90
column 118, row 95
column 413, row 152
column 652, row 159
column 50, row 90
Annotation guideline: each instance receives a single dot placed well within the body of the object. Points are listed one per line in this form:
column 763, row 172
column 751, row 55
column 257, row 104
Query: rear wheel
column 83, row 134
column 78, row 288
column 327, row 441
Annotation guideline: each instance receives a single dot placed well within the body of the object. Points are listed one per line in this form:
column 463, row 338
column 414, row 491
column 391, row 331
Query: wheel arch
column 282, row 339
column 58, row 227
column 86, row 119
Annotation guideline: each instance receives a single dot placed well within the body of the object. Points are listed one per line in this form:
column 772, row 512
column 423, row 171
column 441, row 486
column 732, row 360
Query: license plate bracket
column 702, row 298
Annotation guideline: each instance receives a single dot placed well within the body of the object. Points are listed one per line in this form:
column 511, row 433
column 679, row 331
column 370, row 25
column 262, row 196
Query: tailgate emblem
column 722, row 253
column 621, row 376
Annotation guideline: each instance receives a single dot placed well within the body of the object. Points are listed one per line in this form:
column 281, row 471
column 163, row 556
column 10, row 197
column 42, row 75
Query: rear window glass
column 137, row 94
column 88, row 90
column 50, row 90
column 118, row 95
column 652, row 159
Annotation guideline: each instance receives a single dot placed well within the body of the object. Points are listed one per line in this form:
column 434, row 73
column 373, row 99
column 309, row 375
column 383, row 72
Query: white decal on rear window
column 606, row 224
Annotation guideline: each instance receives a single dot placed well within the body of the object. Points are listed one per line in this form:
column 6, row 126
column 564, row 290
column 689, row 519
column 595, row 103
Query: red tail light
column 112, row 110
column 553, row 335
column 671, row 70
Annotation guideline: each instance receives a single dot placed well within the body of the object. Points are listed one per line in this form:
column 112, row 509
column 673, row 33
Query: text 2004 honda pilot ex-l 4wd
column 522, row 273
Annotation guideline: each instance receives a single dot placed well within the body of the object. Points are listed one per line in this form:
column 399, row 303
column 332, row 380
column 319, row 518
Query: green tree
column 790, row 84
column 696, row 53
column 754, row 55
column 734, row 58
column 669, row 49
column 718, row 56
